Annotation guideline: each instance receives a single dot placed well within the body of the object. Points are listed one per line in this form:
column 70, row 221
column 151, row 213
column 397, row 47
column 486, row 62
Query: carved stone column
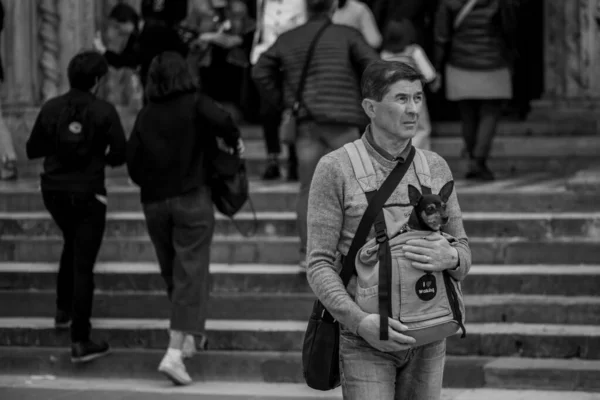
column 76, row 32
column 572, row 57
column 19, row 49
column 50, row 47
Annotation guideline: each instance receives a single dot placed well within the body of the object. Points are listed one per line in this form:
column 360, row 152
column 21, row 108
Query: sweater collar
column 381, row 154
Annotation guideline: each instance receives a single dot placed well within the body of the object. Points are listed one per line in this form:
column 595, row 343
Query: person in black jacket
column 166, row 157
column 75, row 193
column 330, row 113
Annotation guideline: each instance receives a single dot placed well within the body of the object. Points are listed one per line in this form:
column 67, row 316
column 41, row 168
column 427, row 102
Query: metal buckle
column 380, row 232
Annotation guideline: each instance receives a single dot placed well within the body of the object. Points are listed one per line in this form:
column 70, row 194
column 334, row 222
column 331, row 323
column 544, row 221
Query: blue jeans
column 367, row 373
column 313, row 142
column 181, row 230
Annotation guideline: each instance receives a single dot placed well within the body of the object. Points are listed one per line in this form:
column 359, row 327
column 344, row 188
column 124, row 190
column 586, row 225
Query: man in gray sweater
column 372, row 368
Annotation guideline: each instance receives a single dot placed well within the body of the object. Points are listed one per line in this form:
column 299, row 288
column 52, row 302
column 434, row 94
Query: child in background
column 399, row 45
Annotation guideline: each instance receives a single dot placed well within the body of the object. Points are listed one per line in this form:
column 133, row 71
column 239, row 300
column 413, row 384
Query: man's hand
column 369, row 330
column 432, row 253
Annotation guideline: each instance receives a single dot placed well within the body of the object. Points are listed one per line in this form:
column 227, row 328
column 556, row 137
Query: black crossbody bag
column 320, row 350
column 288, row 129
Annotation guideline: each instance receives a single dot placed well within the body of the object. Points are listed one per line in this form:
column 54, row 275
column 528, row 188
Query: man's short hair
column 319, row 6
column 380, row 75
column 85, row 69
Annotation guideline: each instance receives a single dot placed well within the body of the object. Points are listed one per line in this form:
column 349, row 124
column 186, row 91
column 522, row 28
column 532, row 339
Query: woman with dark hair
column 166, row 156
column 475, row 41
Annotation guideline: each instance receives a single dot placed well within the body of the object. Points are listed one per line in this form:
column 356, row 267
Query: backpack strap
column 362, row 165
column 422, row 170
column 376, row 198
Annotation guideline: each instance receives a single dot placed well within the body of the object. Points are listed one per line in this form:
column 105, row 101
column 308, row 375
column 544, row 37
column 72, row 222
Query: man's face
column 398, row 112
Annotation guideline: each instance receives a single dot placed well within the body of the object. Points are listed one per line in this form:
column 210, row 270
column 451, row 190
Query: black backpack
column 74, row 135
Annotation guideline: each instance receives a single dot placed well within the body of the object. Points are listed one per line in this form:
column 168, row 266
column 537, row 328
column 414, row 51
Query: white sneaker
column 174, row 369
column 189, row 347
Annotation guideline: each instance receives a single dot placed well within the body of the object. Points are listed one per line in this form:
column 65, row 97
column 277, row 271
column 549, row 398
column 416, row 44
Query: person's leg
column 8, row 156
column 292, row 174
column 490, row 112
column 89, row 231
column 309, row 148
column 422, row 139
column 59, row 207
column 159, row 224
column 194, row 223
column 367, row 373
column 271, row 119
column 421, row 377
column 469, row 115
column 193, row 219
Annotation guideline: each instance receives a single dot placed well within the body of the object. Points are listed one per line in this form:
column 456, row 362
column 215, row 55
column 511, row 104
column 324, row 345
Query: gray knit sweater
column 336, row 205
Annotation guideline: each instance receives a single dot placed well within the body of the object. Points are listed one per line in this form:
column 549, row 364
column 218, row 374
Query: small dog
column 429, row 212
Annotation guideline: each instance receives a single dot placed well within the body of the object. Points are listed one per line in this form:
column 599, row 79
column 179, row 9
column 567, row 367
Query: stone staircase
column 533, row 308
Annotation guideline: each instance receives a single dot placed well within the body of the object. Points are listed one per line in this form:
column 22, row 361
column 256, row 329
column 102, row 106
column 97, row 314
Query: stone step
column 285, row 367
column 283, row 223
column 50, row 387
column 550, row 280
column 487, row 339
column 508, row 308
column 284, row 250
column 510, row 155
column 535, row 192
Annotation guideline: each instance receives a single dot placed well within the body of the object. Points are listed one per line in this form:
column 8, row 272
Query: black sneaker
column 62, row 320
column 272, row 172
column 84, row 352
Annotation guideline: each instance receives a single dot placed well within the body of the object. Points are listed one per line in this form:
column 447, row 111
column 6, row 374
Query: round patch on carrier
column 426, row 287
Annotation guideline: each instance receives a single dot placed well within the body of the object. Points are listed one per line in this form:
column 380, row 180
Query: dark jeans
column 313, row 142
column 479, row 121
column 181, row 230
column 81, row 217
column 271, row 119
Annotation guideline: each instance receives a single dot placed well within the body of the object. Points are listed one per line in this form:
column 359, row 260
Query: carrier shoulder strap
column 376, row 198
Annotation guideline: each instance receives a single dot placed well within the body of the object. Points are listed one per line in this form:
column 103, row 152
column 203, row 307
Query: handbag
column 288, row 127
column 320, row 349
column 226, row 175
column 229, row 182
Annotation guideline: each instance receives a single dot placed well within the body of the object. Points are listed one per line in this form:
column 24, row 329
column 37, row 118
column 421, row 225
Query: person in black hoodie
column 74, row 190
column 167, row 157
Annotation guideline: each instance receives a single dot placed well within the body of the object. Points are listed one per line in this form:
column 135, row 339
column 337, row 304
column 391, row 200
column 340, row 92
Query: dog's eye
column 431, row 208
column 444, row 206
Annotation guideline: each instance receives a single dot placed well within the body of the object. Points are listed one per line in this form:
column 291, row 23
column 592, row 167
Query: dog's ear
column 413, row 195
column 447, row 191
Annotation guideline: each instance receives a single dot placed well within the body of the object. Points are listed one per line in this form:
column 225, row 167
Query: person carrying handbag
column 320, row 91
column 474, row 41
column 378, row 362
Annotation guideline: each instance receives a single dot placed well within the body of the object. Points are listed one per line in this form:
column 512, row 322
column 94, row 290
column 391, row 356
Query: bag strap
column 376, row 203
column 464, row 11
column 365, row 175
column 309, row 56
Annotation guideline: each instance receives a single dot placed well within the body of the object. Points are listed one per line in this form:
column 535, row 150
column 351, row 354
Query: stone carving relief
column 49, row 43
column 572, row 49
